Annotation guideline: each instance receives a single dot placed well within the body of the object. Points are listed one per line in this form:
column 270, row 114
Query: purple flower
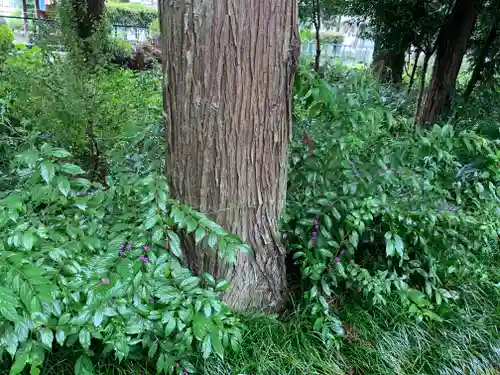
column 150, row 299
column 146, row 248
column 105, row 281
column 122, row 253
column 342, row 252
column 122, row 246
column 337, row 260
column 129, row 245
column 144, row 259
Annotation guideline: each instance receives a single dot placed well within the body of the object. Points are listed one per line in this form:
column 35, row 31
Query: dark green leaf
column 84, row 366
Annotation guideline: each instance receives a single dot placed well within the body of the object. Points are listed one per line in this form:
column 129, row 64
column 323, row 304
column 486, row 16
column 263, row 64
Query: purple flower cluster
column 125, row 246
column 144, row 259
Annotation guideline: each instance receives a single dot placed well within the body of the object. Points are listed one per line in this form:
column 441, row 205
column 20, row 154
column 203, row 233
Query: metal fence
column 39, row 26
column 346, row 53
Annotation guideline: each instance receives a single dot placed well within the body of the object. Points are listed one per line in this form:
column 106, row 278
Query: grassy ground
column 379, row 341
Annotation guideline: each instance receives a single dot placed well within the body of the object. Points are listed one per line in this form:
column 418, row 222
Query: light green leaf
column 46, row 337
column 389, row 247
column 169, row 328
column 71, row 169
column 19, row 363
column 189, row 283
column 202, row 326
column 28, row 240
column 354, row 238
column 216, row 343
column 222, row 286
column 212, row 240
column 98, row 317
column 160, row 364
column 48, row 171
column 158, row 236
column 60, row 336
column 63, row 185
column 84, row 338
column 206, row 347
column 58, row 153
column 399, row 245
column 150, row 222
column 174, row 243
column 83, row 366
column 199, row 235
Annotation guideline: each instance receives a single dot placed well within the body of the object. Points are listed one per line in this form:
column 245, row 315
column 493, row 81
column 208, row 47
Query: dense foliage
column 417, row 215
column 392, row 231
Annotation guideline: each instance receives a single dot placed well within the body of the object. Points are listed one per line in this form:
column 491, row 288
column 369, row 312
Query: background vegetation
column 391, row 228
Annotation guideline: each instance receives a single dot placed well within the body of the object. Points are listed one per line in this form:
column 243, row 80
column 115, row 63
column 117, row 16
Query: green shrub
column 369, row 212
column 154, row 28
column 331, row 37
column 131, row 14
column 6, row 39
column 84, row 266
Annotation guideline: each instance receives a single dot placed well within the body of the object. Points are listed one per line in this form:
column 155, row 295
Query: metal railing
column 130, row 33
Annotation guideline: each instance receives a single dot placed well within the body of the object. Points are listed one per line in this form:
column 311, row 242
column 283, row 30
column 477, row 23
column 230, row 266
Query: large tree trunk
column 481, row 58
column 229, row 69
column 451, row 47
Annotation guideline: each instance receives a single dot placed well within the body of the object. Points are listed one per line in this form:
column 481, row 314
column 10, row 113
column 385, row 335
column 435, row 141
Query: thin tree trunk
column 481, row 58
column 317, row 26
column 451, row 47
column 421, row 91
column 228, row 82
column 88, row 14
column 414, row 69
column 25, row 16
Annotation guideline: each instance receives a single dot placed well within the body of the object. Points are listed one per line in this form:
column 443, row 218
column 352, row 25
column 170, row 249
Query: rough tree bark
column 481, row 58
column 229, row 68
column 451, row 47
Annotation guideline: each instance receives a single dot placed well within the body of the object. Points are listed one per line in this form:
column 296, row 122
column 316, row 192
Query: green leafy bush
column 331, row 37
column 84, row 266
column 154, row 29
column 376, row 213
column 47, row 92
column 6, row 40
column 131, row 14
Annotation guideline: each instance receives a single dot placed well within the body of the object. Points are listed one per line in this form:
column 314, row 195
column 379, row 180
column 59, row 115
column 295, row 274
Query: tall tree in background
column 227, row 100
column 484, row 47
column 451, row 47
column 88, row 13
column 315, row 13
column 25, row 16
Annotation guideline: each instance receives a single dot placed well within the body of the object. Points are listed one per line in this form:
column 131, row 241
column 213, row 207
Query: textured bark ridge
column 229, row 67
column 451, row 46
